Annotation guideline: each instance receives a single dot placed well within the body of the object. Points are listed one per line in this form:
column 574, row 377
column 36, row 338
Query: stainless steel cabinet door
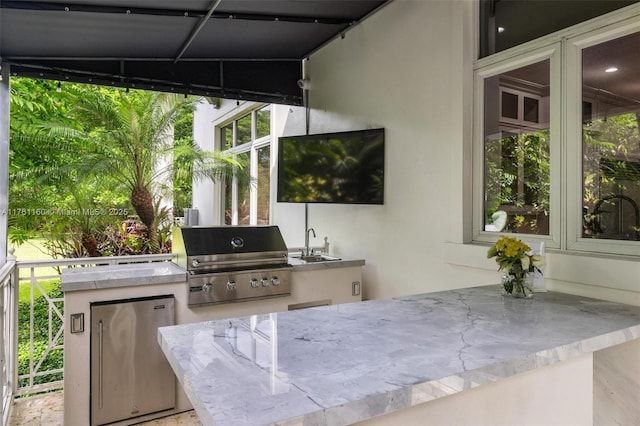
column 130, row 375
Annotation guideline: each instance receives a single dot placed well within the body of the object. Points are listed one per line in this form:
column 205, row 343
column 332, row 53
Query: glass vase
column 517, row 283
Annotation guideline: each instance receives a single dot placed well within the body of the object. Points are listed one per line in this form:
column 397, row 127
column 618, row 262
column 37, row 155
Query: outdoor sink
column 319, row 258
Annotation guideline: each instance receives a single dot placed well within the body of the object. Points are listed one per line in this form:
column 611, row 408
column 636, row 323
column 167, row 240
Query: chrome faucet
column 306, row 240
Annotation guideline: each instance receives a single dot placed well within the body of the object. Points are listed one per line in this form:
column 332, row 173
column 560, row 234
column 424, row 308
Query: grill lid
column 227, row 242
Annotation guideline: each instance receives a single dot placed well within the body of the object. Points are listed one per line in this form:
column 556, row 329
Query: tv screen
column 341, row 168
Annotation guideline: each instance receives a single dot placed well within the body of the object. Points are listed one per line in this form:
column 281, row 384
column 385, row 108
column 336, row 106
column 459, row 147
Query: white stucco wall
column 404, row 69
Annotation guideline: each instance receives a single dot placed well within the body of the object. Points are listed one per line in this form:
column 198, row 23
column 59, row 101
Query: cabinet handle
column 355, row 288
column 100, row 364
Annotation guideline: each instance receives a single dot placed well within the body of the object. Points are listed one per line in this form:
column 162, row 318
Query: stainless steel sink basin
column 319, row 258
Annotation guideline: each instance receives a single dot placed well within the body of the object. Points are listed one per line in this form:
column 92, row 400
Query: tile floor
column 47, row 410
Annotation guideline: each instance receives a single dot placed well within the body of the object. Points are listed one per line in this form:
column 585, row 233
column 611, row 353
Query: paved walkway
column 48, row 410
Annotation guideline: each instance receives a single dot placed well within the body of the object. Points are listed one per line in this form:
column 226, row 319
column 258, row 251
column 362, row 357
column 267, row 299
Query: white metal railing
column 45, row 339
column 8, row 318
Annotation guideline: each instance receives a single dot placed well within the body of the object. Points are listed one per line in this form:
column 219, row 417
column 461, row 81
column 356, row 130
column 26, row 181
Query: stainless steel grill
column 232, row 263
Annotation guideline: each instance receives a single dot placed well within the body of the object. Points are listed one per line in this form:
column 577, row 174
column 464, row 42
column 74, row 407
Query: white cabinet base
column 325, row 287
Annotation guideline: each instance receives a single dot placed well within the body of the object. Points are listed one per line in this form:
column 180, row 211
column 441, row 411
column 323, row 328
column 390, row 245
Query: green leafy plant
column 518, row 180
column 41, row 319
column 93, row 148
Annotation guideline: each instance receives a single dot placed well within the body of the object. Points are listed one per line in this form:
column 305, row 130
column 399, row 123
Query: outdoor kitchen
column 312, row 205
column 221, row 330
column 217, row 272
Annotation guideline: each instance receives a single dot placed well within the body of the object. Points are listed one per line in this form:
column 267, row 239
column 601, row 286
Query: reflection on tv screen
column 343, row 168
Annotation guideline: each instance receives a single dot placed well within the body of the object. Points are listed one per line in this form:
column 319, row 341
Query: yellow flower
column 510, row 251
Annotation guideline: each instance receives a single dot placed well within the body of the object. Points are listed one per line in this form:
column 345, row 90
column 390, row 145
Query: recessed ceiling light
column 611, row 69
column 500, row 29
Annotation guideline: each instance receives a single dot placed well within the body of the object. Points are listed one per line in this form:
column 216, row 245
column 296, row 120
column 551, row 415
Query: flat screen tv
column 341, row 168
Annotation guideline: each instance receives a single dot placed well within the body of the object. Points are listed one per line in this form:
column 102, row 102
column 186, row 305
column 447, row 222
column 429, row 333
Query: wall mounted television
column 340, row 168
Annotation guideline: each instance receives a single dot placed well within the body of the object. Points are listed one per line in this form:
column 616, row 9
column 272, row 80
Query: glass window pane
column 611, row 139
column 516, row 152
column 264, row 179
column 263, row 125
column 226, row 136
column 243, row 130
column 504, row 24
column 228, row 213
column 509, row 105
column 531, row 109
column 244, row 185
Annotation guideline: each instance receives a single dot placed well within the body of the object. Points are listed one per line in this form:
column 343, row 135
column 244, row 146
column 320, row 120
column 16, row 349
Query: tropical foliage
column 611, row 175
column 517, row 171
column 86, row 159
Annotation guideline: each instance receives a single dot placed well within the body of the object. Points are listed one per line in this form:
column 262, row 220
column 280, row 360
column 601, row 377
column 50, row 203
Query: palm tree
column 130, row 140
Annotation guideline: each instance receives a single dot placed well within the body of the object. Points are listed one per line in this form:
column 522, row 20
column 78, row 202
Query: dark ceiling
column 239, row 49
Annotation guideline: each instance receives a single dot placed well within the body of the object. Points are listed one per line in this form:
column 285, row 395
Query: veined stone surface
column 345, row 363
column 128, row 275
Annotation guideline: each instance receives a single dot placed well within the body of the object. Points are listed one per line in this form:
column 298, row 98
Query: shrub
column 53, row 360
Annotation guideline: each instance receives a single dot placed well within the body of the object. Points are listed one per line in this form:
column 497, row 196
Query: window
column 611, row 139
column 505, row 24
column 516, row 151
column 243, row 199
column 557, row 134
column 226, row 136
column 247, row 198
column 264, row 184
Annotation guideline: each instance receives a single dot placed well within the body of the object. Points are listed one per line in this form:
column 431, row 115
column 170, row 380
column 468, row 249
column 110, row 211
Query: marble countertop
column 127, row 275
column 341, row 364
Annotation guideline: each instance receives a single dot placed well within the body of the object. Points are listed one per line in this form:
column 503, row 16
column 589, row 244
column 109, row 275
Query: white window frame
column 573, row 94
column 552, row 53
column 520, row 120
column 566, row 192
column 252, row 148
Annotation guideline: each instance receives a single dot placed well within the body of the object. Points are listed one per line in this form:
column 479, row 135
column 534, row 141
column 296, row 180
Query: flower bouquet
column 516, row 259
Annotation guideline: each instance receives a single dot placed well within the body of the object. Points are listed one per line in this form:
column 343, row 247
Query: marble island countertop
column 345, row 363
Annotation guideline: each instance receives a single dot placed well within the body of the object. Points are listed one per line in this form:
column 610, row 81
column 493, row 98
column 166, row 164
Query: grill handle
column 196, row 263
column 100, row 363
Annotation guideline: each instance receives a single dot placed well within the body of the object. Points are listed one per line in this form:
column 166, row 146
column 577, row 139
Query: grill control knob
column 254, row 283
column 265, row 282
column 206, row 287
column 275, row 281
column 195, row 263
column 231, row 285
